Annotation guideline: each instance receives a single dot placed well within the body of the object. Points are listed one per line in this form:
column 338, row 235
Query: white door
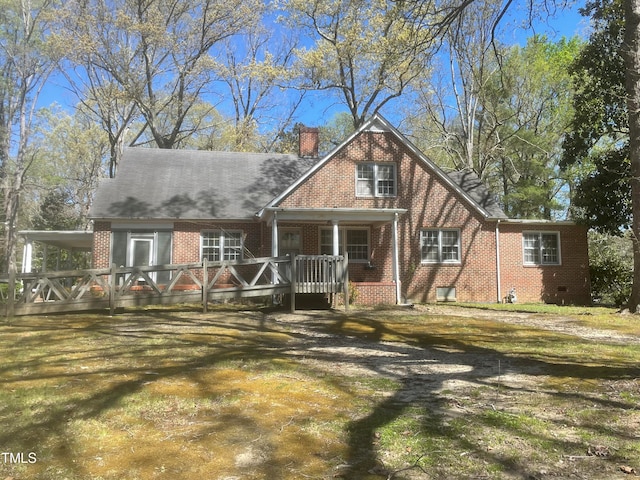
column 141, row 252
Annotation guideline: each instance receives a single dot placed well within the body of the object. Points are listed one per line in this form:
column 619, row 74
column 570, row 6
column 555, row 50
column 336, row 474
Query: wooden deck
column 118, row 287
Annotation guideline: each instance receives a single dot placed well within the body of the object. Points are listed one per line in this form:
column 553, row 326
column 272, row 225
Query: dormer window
column 376, row 180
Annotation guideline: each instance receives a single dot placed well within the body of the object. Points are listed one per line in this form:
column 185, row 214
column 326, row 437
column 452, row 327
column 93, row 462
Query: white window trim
column 458, row 261
column 542, row 263
column 282, row 231
column 222, row 233
column 375, row 180
column 343, row 241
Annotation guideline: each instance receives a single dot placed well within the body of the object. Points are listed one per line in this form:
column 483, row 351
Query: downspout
column 396, row 260
column 498, row 276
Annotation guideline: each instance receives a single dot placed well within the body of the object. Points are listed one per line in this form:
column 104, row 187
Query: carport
column 54, row 242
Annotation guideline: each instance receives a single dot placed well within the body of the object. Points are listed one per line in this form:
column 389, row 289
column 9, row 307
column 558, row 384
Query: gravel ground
column 442, row 368
column 454, row 382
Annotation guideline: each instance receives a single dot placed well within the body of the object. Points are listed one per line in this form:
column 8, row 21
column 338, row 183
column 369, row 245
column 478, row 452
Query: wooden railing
column 117, row 287
column 318, row 274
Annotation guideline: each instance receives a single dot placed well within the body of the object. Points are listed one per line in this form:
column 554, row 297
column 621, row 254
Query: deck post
column 205, row 286
column 112, row 289
column 292, row 281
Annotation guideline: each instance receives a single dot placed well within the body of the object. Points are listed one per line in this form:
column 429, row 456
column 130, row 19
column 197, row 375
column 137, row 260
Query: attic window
column 376, row 180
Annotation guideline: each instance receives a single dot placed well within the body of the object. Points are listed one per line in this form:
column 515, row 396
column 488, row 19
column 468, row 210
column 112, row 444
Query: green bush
column 611, row 267
column 4, row 290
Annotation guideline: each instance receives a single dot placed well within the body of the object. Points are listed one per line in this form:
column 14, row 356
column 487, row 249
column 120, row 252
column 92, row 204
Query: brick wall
column 374, row 293
column 101, row 256
column 434, row 204
column 430, row 204
column 186, row 240
column 567, row 283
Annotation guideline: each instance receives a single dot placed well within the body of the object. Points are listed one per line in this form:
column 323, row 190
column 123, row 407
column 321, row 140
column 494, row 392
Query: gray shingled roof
column 192, row 184
column 201, row 185
column 472, row 185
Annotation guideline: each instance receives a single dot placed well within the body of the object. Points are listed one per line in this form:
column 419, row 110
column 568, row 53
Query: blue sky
column 566, row 22
column 319, row 109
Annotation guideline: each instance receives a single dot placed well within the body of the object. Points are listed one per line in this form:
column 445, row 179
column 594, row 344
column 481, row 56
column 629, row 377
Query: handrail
column 118, row 286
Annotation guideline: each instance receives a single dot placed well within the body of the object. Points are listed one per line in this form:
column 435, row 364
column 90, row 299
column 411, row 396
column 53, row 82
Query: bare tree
column 256, row 70
column 24, row 69
column 108, row 104
column 153, row 54
column 366, row 52
column 458, row 109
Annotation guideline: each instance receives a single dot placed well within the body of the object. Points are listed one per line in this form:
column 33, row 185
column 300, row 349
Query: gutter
column 526, row 221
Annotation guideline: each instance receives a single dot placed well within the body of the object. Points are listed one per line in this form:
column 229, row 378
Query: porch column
column 274, row 235
column 396, row 261
column 27, row 254
column 274, row 245
column 336, row 239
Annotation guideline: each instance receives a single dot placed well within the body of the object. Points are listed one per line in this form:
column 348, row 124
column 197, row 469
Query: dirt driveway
column 360, row 356
column 448, row 378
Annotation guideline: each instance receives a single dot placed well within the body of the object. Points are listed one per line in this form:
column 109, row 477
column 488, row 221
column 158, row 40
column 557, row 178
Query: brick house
column 412, row 231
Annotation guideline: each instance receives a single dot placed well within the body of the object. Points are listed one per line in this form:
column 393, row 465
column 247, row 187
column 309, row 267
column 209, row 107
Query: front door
column 141, row 252
column 289, row 241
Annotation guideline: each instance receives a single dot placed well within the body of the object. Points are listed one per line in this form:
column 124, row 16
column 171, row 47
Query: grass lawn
column 257, row 394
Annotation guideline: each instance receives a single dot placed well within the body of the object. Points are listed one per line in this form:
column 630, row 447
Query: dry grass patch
column 257, row 394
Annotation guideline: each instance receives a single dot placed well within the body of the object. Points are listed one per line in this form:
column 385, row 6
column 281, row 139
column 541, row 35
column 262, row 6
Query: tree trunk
column 632, row 84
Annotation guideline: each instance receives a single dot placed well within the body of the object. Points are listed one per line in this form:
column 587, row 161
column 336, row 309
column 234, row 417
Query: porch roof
column 376, row 216
column 66, row 239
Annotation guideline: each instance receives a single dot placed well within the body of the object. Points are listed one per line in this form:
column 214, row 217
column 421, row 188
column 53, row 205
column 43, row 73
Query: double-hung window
column 218, row 245
column 440, row 245
column 541, row 248
column 354, row 240
column 376, row 180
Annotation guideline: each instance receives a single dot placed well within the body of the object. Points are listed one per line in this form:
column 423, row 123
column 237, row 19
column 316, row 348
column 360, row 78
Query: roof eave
column 172, row 219
column 350, row 215
column 536, row 221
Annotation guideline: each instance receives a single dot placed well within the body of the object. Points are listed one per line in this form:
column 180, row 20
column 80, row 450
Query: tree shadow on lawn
column 102, row 362
column 125, row 354
column 486, row 367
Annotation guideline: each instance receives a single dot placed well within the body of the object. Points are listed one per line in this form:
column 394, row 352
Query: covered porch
column 51, row 250
column 369, row 237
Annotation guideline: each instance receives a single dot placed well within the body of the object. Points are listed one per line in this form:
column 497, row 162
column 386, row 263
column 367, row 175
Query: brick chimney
column 308, row 140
